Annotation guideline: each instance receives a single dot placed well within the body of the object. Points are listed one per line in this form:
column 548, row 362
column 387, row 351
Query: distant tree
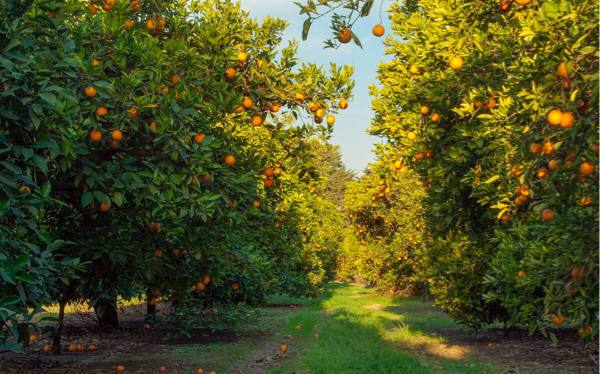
column 334, row 172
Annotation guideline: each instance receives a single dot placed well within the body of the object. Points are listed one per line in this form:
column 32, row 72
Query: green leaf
column 86, row 199
column 7, row 272
column 306, row 28
column 21, row 261
column 492, row 179
column 102, row 197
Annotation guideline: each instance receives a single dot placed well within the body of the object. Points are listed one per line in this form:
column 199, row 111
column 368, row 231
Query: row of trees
column 495, row 105
column 143, row 155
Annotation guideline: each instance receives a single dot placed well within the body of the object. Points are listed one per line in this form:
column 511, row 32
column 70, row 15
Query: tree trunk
column 108, row 317
column 56, row 348
column 150, row 309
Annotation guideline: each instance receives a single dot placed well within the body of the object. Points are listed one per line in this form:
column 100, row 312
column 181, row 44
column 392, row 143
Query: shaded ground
column 359, row 332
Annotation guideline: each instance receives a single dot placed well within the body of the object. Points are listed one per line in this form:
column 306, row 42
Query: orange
column 239, row 109
column 151, row 24
column 153, row 127
column 96, row 135
column 321, row 113
column 547, row 215
column 411, row 135
column 596, row 149
column 205, row 178
column 275, row 108
column 92, row 9
column 419, row 156
column 536, row 148
column 456, row 62
column 276, row 225
column 561, row 70
column 316, row 336
column 522, row 273
column 104, row 207
column 230, row 160
column 157, row 227
column 378, row 30
column 230, row 73
column 330, row 120
column 198, row 138
column 92, row 347
column 313, row 106
column 516, row 170
column 553, row 165
column 297, row 327
column 158, row 253
column 283, row 347
column 505, row 5
column 567, row 120
column 435, row 117
column 242, row 56
column 478, row 104
column 543, row 173
column 577, row 273
column 80, row 348
column 146, row 326
column 117, row 135
column 269, row 172
column 586, row 168
column 90, row 91
column 235, row 286
column 343, row 104
column 200, row 286
column 248, row 103
column 344, row 35
column 133, row 112
column 175, row 79
column 101, row 111
column 429, row 152
column 73, row 348
column 152, row 301
column 199, row 371
column 162, row 369
column 257, row 204
column 300, row 96
column 424, row 109
column 558, row 320
column 492, row 103
column 32, row 338
column 318, row 120
column 269, row 182
column 257, row 120
column 232, row 204
column 586, row 201
column 414, row 69
column 135, row 6
column 555, row 117
column 48, row 348
column 95, row 62
column 505, row 217
column 120, row 368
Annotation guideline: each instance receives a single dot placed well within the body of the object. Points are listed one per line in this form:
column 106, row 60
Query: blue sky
column 350, row 125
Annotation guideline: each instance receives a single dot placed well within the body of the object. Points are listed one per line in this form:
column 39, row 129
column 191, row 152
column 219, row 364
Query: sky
column 356, row 145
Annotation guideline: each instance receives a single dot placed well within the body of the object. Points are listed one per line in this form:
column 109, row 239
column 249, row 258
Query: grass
column 363, row 333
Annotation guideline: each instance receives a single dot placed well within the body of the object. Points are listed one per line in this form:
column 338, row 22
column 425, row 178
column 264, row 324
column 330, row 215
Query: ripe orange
column 586, row 168
column 505, row 5
column 90, row 91
column 92, row 9
column 95, row 62
column 343, row 104
column 344, row 35
column 419, row 156
column 505, row 217
column 300, row 96
column 230, row 160
column 596, row 149
column 104, row 207
column 321, row 113
column 133, row 112
column 558, row 320
column 92, row 347
column 80, row 348
column 235, row 286
column 313, row 106
column 586, row 201
column 269, row 172
column 120, row 368
column 152, row 301
column 492, row 103
column 117, row 135
column 547, row 215
column 146, row 326
column 198, row 138
column 424, row 109
column 151, row 23
column 516, row 170
column 73, row 348
column 567, row 120
column 257, row 120
column 536, row 148
column 411, row 135
column 230, row 73
column 522, row 273
column 162, row 369
column 96, row 135
column 242, row 56
column 153, row 127
column 48, row 348
column 553, row 165
column 456, row 62
column 205, row 178
column 248, row 103
column 555, row 117
column 577, row 273
column 316, row 336
column 239, row 109
column 175, row 79
column 200, row 286
column 135, row 6
column 275, row 108
column 429, row 152
column 414, row 69
column 330, row 120
column 101, row 111
column 435, row 117
column 257, row 204
column 283, row 347
column 543, row 173
column 269, row 182
column 378, row 30
column 158, row 253
column 562, row 70
column 232, row 204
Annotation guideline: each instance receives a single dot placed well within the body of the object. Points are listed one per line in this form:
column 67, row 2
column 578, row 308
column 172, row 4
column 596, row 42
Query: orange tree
column 385, row 236
column 152, row 127
column 496, row 103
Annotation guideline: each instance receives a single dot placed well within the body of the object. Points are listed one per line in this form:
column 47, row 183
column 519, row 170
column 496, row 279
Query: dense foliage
column 495, row 105
column 142, row 152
